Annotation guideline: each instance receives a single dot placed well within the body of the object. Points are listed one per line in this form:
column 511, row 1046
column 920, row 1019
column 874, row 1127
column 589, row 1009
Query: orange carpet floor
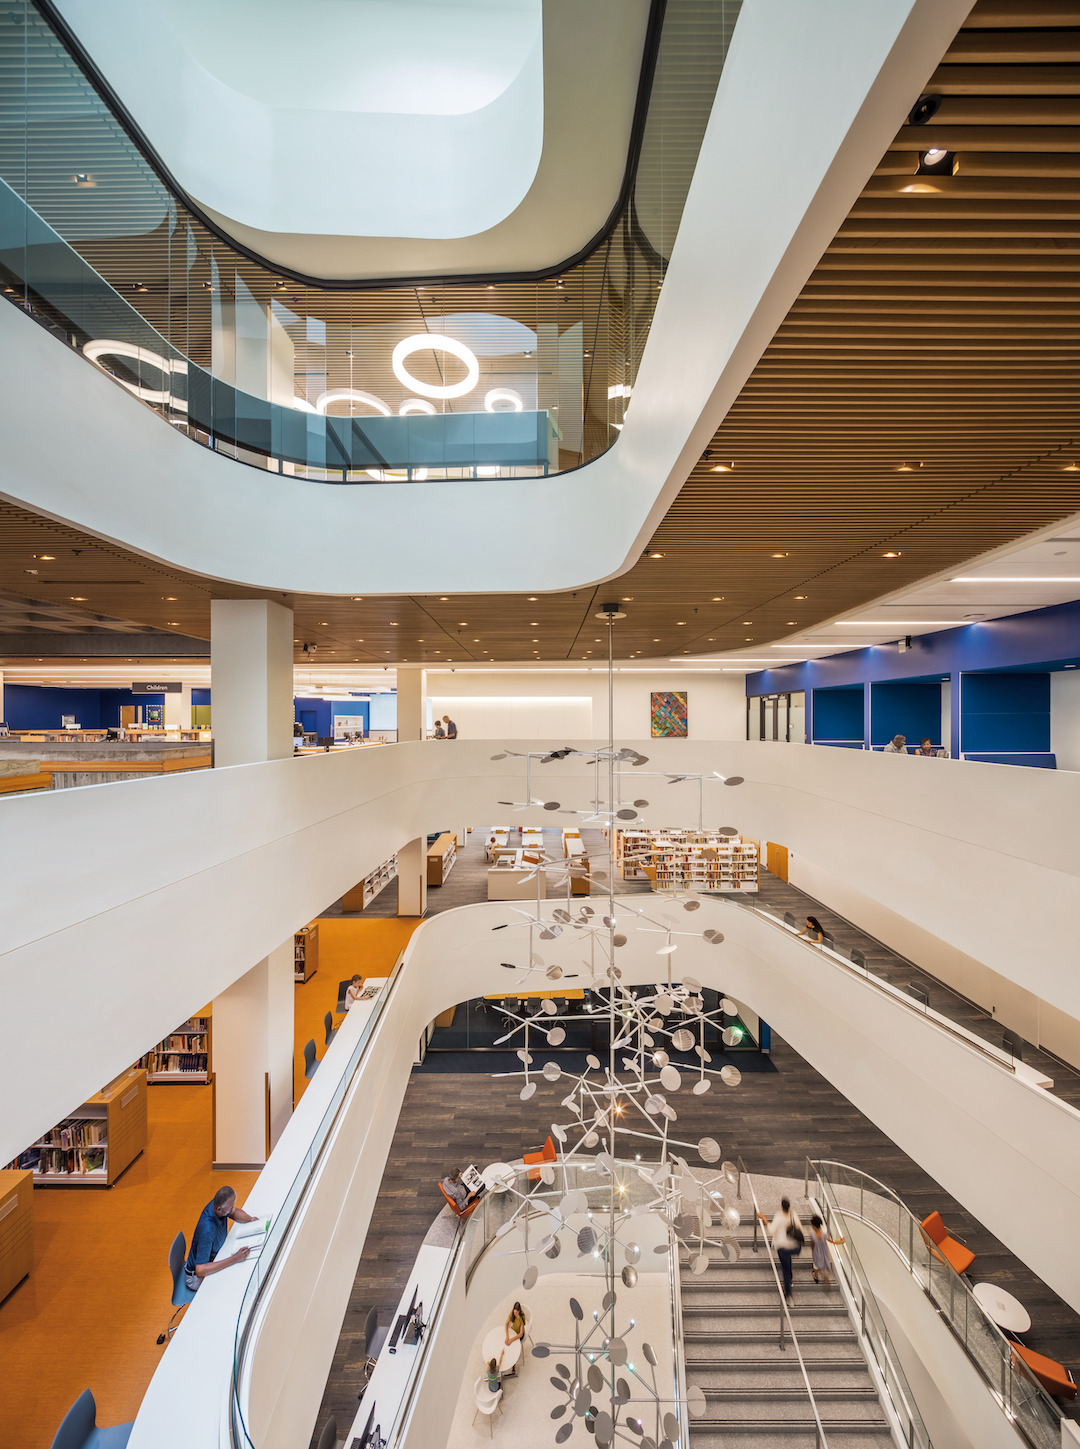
column 98, row 1294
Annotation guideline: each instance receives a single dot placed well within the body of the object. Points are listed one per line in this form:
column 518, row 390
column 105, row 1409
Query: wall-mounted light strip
column 1022, row 579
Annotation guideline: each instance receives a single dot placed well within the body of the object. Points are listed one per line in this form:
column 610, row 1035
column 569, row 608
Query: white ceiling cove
column 383, row 137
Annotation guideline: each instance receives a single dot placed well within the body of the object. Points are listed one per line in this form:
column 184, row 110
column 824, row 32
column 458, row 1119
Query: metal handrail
column 1030, row 1408
column 785, row 1312
column 996, row 1055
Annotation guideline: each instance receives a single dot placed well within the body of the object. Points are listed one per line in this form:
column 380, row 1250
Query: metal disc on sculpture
column 658, row 1174
column 663, row 1004
column 629, row 1276
column 661, row 1247
column 559, row 1410
column 616, row 1351
column 547, row 1173
column 608, row 1301
column 554, row 1250
column 732, row 1218
column 635, row 1426
column 578, row 1312
column 669, row 1078
column 700, row 1088
column 731, row 1075
column 667, row 950
column 553, row 973
column 691, row 905
column 575, row 1201
column 541, row 1350
column 559, row 1133
column 536, row 959
column 593, row 1062
column 627, row 814
column 586, row 1240
column 661, row 1057
column 653, row 1105
column 590, row 1139
column 727, row 830
column 531, row 1275
column 504, row 1228
column 606, row 1161
column 583, row 1401
column 670, row 1113
column 695, row 1401
column 682, row 1040
column 598, row 875
column 548, row 1007
column 524, row 1056
column 604, row 1430
column 641, row 804
column 499, row 757
column 632, row 1252
column 564, row 1433
column 527, row 1090
column 610, row 922
column 551, row 804
column 556, row 1036
column 618, row 940
column 671, row 1427
column 731, row 1250
column 595, row 1378
column 552, row 1071
column 731, row 1035
column 550, row 932
column 730, row 1171
column 709, row 1149
column 560, row 914
column 622, row 1391
column 563, row 1372
column 729, row 1007
column 700, row 1264
column 691, row 983
column 714, row 937
column 587, row 911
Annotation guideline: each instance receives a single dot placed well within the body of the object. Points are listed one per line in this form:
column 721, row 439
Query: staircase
column 754, row 1390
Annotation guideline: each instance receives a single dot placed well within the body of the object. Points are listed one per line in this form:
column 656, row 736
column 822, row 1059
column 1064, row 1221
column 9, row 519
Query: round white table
column 1006, row 1311
column 505, row 1354
column 498, row 1176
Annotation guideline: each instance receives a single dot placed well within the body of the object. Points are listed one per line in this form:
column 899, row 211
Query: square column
column 251, row 667
column 178, row 709
column 412, row 878
column 411, row 704
column 253, row 1062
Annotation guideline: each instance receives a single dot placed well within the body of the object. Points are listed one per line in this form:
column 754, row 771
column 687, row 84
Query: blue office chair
column 310, row 1063
column 79, row 1428
column 331, row 1030
column 181, row 1293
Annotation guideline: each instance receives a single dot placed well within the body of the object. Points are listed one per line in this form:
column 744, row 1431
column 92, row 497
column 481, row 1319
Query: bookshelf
column 305, row 953
column 16, row 1229
column 688, row 860
column 440, row 858
column 184, row 1055
column 363, row 893
column 99, row 1141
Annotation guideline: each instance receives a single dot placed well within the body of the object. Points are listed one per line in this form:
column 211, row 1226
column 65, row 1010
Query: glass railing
column 844, row 1191
column 336, row 383
column 285, row 1215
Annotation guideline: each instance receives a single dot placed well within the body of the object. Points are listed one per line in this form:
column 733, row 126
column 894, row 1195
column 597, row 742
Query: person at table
column 494, row 1378
column 927, row 749
column 515, row 1328
column 896, row 746
column 210, row 1233
column 353, row 992
column 454, row 1188
column 813, row 930
column 451, row 727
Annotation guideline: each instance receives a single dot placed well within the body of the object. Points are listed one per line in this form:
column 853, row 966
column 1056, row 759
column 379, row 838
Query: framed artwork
column 668, row 714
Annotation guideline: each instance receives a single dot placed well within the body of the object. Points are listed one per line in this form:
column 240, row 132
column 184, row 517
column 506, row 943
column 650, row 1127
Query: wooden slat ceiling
column 920, row 400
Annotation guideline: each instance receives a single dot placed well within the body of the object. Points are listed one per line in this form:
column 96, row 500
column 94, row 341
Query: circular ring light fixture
column 104, row 347
column 396, row 475
column 302, row 405
column 421, row 343
column 351, row 394
column 503, row 395
column 416, row 405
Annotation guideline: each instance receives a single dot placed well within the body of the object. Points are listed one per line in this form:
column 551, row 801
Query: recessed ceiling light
column 463, row 623
column 656, row 554
column 46, row 557
column 891, row 555
column 78, row 598
column 534, row 623
column 1071, row 468
column 394, row 624
column 718, row 598
column 324, row 623
column 531, row 599
column 173, row 623
column 358, row 599
column 680, row 622
column 793, row 621
column 748, row 621
column 628, row 598
column 800, row 596
column 779, row 555
column 723, row 467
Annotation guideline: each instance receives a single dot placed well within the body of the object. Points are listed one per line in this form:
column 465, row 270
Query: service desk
column 512, row 878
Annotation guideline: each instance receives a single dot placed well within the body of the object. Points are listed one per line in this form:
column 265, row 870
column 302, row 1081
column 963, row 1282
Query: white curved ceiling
column 383, row 137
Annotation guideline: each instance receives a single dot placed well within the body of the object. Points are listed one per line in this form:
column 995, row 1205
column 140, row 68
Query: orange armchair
column 1054, row 1377
column 452, row 1205
column 547, row 1153
column 944, row 1247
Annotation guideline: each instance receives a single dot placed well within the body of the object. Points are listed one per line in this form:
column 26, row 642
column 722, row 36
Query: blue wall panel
column 40, row 707
column 1005, row 713
column 909, row 707
column 838, row 714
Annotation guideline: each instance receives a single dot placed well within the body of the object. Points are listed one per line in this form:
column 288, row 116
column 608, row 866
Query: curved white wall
column 824, row 88
column 232, row 861
column 967, row 1120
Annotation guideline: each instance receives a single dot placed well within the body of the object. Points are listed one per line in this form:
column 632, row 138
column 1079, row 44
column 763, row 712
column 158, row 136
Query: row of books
column 184, row 1042
column 74, row 1132
column 177, row 1062
column 58, row 1162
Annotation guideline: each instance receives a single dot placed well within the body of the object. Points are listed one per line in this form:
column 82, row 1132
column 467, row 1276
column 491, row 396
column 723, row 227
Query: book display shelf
column 305, row 953
column 93, row 1146
column 441, row 856
column 688, row 860
column 362, row 894
column 184, row 1055
column 16, row 1229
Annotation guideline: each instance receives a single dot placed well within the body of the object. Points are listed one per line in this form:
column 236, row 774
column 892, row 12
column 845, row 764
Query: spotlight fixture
column 84, row 179
column 779, row 555
column 656, row 554
column 891, row 554
column 45, row 557
column 723, row 467
column 280, row 286
column 139, row 287
column 923, row 109
column 937, row 162
column 1071, row 468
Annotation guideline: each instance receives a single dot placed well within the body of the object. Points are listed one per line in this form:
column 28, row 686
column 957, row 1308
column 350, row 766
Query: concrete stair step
column 790, row 1392
column 724, row 1410
column 778, row 1361
column 772, row 1377
column 762, row 1435
column 730, row 1337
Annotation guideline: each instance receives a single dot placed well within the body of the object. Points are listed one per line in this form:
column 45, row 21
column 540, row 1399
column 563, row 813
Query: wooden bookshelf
column 688, row 860
column 99, row 1141
column 440, row 858
column 184, row 1055
column 306, row 953
column 16, row 1228
column 365, row 891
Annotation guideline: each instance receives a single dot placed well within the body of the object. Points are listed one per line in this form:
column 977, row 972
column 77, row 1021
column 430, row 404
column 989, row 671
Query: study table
column 1006, row 1311
column 495, row 1347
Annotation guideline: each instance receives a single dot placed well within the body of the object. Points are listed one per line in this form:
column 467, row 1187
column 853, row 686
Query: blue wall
column 908, row 707
column 1005, row 713
column 838, row 715
column 40, row 707
column 317, row 715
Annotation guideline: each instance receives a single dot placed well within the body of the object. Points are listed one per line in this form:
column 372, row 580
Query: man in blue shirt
column 210, row 1233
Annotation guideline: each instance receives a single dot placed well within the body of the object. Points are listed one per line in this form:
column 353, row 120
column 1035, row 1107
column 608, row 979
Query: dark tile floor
column 772, row 1120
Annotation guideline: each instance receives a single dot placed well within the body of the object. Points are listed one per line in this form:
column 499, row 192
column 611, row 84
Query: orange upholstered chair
column 1054, row 1377
column 942, row 1246
column 546, row 1154
column 452, row 1205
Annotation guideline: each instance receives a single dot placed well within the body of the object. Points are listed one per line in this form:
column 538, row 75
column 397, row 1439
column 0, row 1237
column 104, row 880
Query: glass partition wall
column 779, row 717
column 360, row 383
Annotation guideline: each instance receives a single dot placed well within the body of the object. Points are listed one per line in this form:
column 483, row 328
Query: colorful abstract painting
column 668, row 714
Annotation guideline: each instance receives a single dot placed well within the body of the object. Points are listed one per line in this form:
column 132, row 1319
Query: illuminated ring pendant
column 351, row 394
column 421, row 343
column 101, row 347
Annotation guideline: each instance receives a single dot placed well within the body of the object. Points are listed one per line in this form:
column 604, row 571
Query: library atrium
column 417, row 1039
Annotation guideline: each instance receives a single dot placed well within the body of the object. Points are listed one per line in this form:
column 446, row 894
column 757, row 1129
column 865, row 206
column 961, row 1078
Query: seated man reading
column 210, row 1233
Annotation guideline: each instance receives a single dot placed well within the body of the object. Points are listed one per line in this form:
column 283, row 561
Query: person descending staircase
column 754, row 1389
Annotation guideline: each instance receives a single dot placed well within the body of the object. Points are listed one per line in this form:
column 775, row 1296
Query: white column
column 253, row 1062
column 251, row 663
column 411, row 704
column 178, row 709
column 412, row 878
